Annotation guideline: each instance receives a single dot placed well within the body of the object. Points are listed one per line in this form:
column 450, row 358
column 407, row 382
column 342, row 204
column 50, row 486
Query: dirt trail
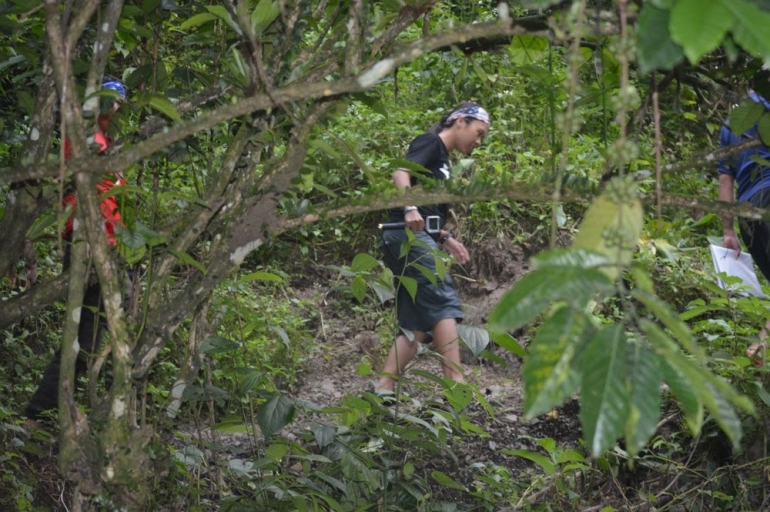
column 333, row 375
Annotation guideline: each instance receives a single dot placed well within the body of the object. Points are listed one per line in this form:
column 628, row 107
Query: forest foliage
column 261, row 132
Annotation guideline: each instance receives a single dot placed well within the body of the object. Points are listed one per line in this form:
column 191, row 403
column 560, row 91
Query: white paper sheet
column 742, row 266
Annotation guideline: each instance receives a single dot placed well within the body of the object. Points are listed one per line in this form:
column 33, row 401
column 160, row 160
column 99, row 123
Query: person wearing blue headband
column 91, row 326
column 436, row 309
column 748, row 170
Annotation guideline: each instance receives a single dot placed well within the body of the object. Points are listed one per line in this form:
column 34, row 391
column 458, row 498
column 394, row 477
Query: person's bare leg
column 401, row 353
column 448, row 345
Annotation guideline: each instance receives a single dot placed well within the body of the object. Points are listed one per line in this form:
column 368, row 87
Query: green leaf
column 197, row 20
column 691, row 403
column 264, row 14
column 281, row 334
column 570, row 257
column 164, row 106
column 655, row 47
column 604, row 397
column 217, row 345
column 764, row 128
column 277, row 451
column 644, row 381
column 358, row 287
column 527, row 49
column 750, row 27
column 250, row 381
column 547, row 373
column 364, row 263
column 745, row 115
column 410, row 284
column 445, row 480
column 541, row 460
column 261, row 276
column 700, row 26
column 536, row 290
column 612, row 225
column 275, row 414
column 459, row 396
column 186, row 259
column 509, row 343
column 323, row 434
column 475, row 338
column 671, row 320
column 222, row 13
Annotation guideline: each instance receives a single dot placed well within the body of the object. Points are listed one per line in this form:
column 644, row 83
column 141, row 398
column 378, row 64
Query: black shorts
column 432, row 303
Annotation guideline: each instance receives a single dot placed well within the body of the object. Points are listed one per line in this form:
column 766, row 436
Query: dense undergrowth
column 358, row 454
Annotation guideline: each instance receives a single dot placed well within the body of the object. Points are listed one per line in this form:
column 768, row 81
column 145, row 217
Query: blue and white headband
column 475, row 112
column 115, row 85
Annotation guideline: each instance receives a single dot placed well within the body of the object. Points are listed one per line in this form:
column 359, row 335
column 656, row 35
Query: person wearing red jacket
column 46, row 397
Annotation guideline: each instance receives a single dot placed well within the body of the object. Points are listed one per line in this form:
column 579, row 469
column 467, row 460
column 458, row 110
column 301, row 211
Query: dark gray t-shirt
column 429, row 151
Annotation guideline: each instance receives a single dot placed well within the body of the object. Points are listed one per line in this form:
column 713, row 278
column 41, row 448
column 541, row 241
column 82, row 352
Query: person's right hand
column 414, row 221
column 730, row 241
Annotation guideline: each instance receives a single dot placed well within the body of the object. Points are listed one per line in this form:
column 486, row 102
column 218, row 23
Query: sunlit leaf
column 275, row 414
column 612, row 225
column 536, row 290
column 700, row 26
column 547, row 373
column 604, row 397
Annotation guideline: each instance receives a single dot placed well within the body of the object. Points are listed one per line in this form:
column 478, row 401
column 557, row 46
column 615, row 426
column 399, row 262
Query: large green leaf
column 363, row 262
column 547, row 373
column 570, row 257
column 716, row 394
column 217, row 345
column 264, row 14
column 527, row 49
column 764, row 128
column 750, row 27
column 700, row 26
column 533, row 292
column 654, row 45
column 671, row 320
column 644, row 381
column 612, row 225
column 275, row 414
column 509, row 343
column 745, row 115
column 604, row 401
column 475, row 338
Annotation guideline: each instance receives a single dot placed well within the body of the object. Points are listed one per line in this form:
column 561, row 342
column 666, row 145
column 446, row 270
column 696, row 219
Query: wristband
column 408, row 209
column 445, row 237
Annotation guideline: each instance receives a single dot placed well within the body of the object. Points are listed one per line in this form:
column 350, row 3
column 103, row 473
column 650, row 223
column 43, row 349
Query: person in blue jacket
column 749, row 172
